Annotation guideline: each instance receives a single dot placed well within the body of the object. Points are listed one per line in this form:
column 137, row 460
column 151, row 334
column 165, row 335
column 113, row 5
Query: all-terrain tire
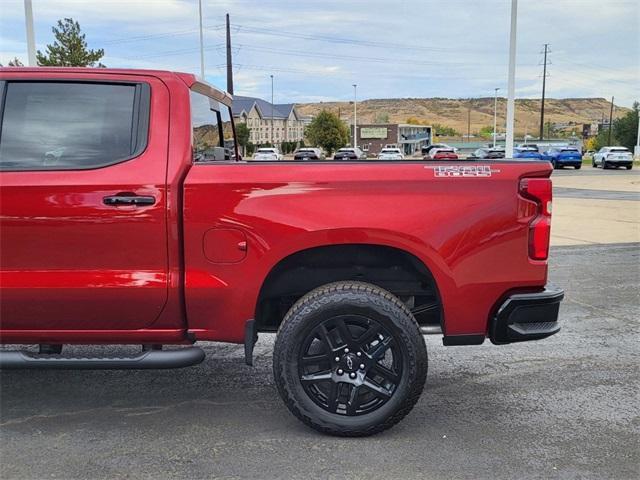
column 332, row 301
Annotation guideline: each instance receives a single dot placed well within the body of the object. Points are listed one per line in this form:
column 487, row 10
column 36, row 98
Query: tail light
column 538, row 190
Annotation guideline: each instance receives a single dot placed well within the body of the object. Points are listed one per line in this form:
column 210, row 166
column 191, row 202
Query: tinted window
column 212, row 127
column 61, row 126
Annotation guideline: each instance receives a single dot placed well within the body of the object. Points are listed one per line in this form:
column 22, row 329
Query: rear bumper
column 569, row 161
column 619, row 162
column 527, row 316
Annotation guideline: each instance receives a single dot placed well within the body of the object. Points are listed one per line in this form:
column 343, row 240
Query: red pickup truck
column 127, row 218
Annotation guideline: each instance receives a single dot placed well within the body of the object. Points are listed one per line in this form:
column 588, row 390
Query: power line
column 350, row 41
column 181, row 51
column 175, row 33
column 595, row 70
column 357, row 58
column 334, row 39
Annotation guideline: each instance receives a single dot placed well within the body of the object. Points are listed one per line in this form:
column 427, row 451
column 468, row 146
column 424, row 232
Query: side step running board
column 151, row 359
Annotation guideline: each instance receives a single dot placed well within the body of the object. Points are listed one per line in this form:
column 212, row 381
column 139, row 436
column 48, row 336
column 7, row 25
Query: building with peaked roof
column 268, row 123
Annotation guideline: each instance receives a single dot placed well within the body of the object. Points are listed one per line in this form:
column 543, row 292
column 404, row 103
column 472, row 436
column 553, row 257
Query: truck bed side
column 466, row 226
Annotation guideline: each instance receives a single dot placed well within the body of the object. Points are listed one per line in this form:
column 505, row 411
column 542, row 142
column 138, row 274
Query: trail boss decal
column 463, row 171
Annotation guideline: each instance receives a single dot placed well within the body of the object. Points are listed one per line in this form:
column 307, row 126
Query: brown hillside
column 453, row 112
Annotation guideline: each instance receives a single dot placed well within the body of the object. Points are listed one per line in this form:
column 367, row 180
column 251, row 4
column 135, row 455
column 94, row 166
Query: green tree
column 625, row 129
column 602, row 139
column 551, row 130
column 445, row 131
column 414, row 121
column 382, row 118
column 327, row 131
column 486, row 131
column 69, row 48
column 242, row 135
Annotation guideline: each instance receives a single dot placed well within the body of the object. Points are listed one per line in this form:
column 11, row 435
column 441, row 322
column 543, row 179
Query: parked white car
column 350, row 153
column 612, row 157
column 426, row 150
column 267, row 155
column 390, row 154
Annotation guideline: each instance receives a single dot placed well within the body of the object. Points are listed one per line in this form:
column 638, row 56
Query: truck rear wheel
column 349, row 359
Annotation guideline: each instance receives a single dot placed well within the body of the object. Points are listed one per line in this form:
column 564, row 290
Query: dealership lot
column 565, row 407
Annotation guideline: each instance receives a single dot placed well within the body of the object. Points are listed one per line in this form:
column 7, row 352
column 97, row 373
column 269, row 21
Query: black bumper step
column 527, row 316
column 150, row 359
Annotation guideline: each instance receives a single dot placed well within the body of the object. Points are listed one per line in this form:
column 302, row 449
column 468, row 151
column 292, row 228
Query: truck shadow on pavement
column 220, row 393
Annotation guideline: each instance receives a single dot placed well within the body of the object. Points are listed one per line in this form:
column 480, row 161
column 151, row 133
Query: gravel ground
column 565, row 407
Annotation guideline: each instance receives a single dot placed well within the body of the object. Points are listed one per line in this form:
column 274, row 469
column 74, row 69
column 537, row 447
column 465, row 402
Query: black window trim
column 140, row 119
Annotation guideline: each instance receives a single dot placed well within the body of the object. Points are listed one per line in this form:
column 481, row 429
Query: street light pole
column 511, row 101
column 495, row 115
column 355, row 115
column 31, row 41
column 201, row 40
column 272, row 142
column 637, row 149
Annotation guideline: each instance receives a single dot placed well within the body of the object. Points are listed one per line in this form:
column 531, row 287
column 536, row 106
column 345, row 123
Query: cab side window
column 71, row 125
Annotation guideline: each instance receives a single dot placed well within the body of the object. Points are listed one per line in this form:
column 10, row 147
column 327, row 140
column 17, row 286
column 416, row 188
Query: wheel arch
column 390, row 267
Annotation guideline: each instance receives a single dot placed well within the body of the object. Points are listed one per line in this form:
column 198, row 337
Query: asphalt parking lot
column 565, row 407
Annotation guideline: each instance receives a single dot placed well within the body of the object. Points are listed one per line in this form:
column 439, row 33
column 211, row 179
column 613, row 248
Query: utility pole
column 31, row 39
column 610, row 122
column 511, row 85
column 495, row 116
column 355, row 115
column 201, row 40
column 544, row 84
column 229, row 62
column 272, row 142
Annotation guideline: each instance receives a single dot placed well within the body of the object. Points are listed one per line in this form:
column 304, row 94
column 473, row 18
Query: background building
column 409, row 138
column 261, row 116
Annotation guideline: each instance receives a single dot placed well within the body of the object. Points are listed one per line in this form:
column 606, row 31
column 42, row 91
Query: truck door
column 83, row 227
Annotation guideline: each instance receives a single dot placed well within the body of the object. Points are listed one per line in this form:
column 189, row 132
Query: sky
column 316, row 50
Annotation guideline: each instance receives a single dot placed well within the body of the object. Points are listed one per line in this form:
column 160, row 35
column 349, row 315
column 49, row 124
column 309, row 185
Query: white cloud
column 412, row 48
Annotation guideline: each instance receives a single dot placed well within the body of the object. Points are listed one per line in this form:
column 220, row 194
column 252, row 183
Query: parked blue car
column 563, row 157
column 527, row 152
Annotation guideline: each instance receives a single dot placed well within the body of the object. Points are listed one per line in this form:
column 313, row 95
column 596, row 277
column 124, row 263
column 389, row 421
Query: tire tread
column 350, row 290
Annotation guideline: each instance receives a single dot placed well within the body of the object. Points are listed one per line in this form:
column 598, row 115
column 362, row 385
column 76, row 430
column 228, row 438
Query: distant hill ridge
column 453, row 113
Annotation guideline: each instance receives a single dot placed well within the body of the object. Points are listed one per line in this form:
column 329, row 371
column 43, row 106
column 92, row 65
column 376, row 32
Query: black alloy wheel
column 350, row 365
column 349, row 359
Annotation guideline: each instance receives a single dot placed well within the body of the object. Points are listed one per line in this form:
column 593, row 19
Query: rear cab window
column 212, row 129
column 67, row 125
